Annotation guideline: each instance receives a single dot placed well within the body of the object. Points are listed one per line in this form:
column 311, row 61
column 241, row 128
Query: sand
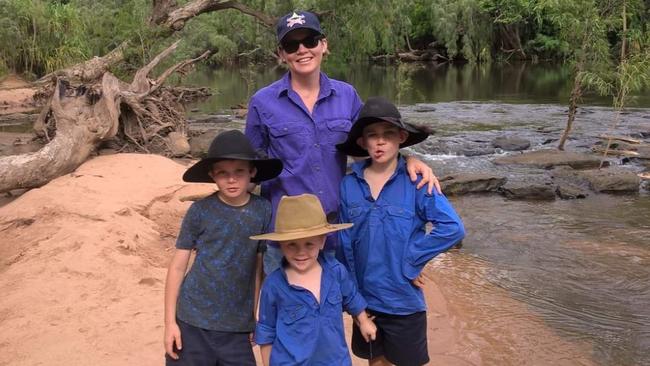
column 15, row 95
column 83, row 262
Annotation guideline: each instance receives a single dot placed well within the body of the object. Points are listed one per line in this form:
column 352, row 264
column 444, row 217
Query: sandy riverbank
column 83, row 265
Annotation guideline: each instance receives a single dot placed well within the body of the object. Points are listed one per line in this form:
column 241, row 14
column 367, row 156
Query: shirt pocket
column 356, row 212
column 334, row 305
column 293, row 315
column 397, row 222
column 336, row 132
column 288, row 143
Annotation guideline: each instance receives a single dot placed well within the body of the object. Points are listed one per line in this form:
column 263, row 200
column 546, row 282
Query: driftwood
column 139, row 116
column 620, row 138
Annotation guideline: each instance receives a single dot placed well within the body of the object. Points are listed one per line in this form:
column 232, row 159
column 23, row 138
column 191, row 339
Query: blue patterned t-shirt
column 218, row 291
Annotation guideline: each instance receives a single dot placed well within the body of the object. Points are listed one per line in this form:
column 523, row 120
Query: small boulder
column 508, row 143
column 529, row 188
column 464, row 183
column 547, row 159
column 178, row 144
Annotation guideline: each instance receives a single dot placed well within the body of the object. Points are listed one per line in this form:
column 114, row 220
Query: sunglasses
column 293, row 45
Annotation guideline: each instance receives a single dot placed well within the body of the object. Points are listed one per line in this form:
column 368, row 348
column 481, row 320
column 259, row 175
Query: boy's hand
column 414, row 167
column 368, row 329
column 418, row 281
column 173, row 336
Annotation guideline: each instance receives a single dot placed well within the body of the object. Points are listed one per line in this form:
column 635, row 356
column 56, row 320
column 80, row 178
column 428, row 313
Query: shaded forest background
column 38, row 37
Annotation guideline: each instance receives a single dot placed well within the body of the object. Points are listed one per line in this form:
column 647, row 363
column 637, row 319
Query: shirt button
column 320, row 192
column 316, row 168
column 316, row 145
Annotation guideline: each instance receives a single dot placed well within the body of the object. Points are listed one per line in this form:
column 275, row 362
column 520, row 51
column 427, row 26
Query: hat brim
column 266, row 169
column 279, row 236
column 351, row 148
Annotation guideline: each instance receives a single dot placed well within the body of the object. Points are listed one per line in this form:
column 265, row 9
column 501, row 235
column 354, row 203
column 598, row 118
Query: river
column 580, row 268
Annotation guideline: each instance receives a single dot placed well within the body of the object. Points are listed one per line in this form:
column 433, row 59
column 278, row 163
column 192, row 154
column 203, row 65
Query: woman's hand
column 415, row 166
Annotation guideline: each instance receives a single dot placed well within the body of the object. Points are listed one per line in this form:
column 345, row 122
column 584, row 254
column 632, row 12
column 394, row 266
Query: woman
column 301, row 117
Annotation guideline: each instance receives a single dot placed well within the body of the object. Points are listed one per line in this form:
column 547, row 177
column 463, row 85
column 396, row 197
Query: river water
column 550, row 283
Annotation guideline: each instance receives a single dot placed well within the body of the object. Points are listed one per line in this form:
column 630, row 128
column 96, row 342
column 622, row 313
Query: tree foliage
column 39, row 36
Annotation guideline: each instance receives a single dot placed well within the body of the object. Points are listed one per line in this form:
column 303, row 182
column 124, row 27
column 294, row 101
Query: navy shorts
column 401, row 339
column 210, row 347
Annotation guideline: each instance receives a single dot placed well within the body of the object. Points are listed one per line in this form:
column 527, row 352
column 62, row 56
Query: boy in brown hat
column 209, row 313
column 300, row 319
column 388, row 246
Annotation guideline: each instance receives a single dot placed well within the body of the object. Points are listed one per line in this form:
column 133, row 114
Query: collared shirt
column 388, row 247
column 301, row 330
column 279, row 124
column 218, row 291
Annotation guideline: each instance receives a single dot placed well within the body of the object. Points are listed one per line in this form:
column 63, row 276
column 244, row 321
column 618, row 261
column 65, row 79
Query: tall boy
column 300, row 319
column 209, row 314
column 388, row 247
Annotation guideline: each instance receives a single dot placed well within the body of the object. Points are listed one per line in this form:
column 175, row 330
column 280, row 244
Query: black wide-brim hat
column 232, row 145
column 378, row 109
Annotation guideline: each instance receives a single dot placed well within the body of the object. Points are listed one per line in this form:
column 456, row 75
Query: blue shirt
column 279, row 124
column 388, row 247
column 301, row 330
column 218, row 291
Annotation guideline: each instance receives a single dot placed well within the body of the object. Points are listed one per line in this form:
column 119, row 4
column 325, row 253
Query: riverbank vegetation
column 39, row 36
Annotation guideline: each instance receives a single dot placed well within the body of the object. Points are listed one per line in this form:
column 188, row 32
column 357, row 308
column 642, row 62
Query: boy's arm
column 175, row 274
column 353, row 301
column 344, row 252
column 265, row 351
column 265, row 329
column 447, row 230
column 258, row 281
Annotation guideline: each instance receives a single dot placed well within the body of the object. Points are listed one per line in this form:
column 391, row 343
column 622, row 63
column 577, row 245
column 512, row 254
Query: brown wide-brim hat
column 379, row 109
column 300, row 217
column 232, row 145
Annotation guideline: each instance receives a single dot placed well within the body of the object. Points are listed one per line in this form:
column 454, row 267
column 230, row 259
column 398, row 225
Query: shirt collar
column 326, row 88
column 358, row 167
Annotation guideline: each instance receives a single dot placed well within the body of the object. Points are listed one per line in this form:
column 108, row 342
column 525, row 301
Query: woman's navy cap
column 297, row 20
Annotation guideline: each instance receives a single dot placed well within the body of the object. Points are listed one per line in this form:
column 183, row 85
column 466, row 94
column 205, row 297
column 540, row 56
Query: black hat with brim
column 232, row 145
column 378, row 109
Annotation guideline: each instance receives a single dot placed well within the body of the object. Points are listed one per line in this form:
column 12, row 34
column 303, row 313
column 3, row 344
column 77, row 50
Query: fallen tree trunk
column 140, row 116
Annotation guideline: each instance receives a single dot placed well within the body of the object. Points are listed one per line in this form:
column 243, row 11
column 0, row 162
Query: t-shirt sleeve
column 191, row 228
column 268, row 313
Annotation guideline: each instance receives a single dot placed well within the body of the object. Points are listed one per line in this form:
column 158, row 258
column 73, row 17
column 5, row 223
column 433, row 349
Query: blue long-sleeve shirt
column 301, row 330
column 388, row 247
column 279, row 124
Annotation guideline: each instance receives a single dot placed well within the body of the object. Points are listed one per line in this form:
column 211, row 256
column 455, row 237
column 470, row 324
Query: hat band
column 289, row 231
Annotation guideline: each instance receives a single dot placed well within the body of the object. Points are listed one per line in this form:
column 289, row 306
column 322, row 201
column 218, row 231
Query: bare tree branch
column 167, row 14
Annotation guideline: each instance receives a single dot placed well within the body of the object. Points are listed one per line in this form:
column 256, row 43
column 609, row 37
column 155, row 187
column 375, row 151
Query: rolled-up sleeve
column 353, row 302
column 265, row 328
column 447, row 230
column 255, row 129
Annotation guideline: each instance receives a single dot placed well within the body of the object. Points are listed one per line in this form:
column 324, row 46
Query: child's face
column 382, row 140
column 232, row 177
column 302, row 254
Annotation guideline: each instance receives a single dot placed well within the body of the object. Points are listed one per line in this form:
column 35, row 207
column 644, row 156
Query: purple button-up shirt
column 279, row 124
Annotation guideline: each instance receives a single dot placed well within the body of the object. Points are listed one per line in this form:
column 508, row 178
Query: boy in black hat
column 388, row 246
column 209, row 313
